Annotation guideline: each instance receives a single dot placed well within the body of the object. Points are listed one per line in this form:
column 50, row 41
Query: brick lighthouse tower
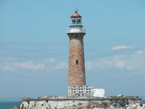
column 76, row 71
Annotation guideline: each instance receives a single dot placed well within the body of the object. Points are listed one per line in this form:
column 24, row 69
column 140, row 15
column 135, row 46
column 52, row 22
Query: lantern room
column 76, row 19
column 76, row 24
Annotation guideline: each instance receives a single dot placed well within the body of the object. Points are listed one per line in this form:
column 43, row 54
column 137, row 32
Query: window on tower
column 78, row 21
column 76, row 62
column 73, row 21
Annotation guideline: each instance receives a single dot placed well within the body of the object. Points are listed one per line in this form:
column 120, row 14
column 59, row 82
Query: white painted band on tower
column 76, row 30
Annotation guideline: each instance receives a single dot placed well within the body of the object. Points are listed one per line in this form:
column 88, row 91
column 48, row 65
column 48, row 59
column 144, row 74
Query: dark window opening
column 76, row 62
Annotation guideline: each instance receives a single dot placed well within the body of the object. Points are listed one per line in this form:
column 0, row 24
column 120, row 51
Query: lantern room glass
column 76, row 21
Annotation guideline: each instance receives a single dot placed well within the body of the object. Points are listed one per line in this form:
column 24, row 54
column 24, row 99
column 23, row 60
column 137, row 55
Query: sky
column 34, row 46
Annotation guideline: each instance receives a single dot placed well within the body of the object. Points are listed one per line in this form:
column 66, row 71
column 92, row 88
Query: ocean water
column 9, row 104
column 143, row 101
column 12, row 104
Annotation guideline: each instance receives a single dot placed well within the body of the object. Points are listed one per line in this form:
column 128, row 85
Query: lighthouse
column 76, row 69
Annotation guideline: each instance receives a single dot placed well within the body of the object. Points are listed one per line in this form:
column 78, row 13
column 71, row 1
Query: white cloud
column 89, row 65
column 105, row 63
column 7, row 67
column 120, row 64
column 121, row 47
column 53, row 64
column 61, row 65
column 132, row 62
column 139, row 51
column 50, row 65
column 116, row 61
column 30, row 65
column 50, row 60
column 25, row 65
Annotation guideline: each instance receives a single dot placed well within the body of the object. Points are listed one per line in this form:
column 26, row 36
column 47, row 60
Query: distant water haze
column 11, row 99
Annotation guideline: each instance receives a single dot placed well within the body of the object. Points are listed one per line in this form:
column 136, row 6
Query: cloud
column 30, row 65
column 50, row 60
column 6, row 68
column 104, row 63
column 113, row 62
column 139, row 51
column 53, row 64
column 131, row 62
column 26, row 65
column 120, row 64
column 50, row 64
column 121, row 47
column 89, row 65
column 61, row 65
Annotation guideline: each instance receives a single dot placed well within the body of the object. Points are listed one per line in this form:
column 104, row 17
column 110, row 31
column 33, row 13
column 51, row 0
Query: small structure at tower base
column 79, row 90
column 99, row 92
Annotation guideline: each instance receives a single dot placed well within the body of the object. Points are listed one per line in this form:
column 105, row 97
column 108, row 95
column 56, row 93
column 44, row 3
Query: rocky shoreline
column 53, row 102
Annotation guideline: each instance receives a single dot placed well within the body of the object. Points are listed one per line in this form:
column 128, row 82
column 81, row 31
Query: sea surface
column 12, row 104
column 9, row 104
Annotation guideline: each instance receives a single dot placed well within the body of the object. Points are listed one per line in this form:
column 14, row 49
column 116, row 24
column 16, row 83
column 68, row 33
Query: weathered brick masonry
column 76, row 73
